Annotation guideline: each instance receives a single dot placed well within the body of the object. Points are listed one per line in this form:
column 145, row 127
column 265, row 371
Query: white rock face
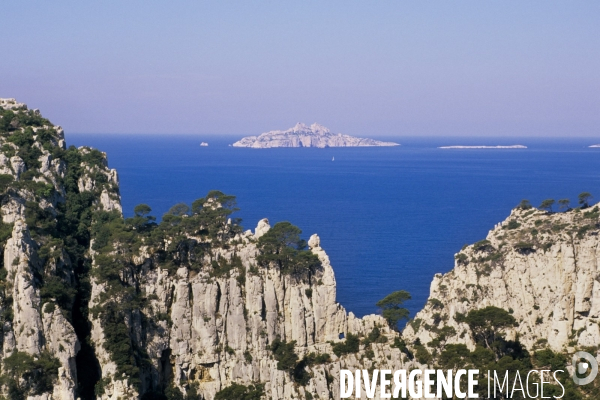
column 302, row 135
column 262, row 228
column 109, row 203
column 10, row 104
column 220, row 327
column 63, row 342
column 5, row 166
column 547, row 279
column 34, row 330
column 31, row 324
column 195, row 326
column 18, row 166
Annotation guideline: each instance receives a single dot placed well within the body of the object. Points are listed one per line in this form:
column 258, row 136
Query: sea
column 389, row 218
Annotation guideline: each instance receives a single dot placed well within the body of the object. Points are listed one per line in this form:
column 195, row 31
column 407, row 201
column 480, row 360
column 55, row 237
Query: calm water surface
column 389, row 218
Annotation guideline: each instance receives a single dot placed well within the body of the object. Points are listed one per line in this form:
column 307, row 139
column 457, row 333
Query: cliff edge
column 97, row 306
column 94, row 305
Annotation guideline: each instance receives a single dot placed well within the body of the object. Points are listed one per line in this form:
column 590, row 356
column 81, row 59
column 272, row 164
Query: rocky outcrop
column 127, row 308
column 302, row 135
column 37, row 274
column 191, row 329
column 217, row 330
column 11, row 103
column 541, row 267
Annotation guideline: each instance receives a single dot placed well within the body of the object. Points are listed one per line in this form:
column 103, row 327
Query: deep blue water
column 389, row 218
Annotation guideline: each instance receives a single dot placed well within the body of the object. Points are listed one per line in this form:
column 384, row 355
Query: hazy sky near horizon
column 493, row 68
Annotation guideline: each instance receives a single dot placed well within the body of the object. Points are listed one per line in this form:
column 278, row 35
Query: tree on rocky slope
column 564, row 204
column 584, row 198
column 391, row 307
column 524, row 205
column 547, row 205
column 282, row 246
column 487, row 324
column 142, row 221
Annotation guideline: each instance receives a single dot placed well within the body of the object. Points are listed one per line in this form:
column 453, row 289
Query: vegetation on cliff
column 86, row 266
column 464, row 325
column 80, row 241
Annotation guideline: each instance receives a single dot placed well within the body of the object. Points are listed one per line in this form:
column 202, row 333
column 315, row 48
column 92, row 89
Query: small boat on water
column 333, row 159
column 204, row 144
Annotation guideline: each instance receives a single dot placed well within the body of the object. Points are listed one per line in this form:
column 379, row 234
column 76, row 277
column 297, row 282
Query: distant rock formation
column 516, row 146
column 302, row 135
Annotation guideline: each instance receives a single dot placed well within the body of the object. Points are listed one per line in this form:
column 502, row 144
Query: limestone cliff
column 302, row 135
column 94, row 305
column 97, row 306
column 39, row 270
column 541, row 267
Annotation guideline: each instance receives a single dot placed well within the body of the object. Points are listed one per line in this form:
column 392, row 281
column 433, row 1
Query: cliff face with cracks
column 218, row 330
column 542, row 267
column 96, row 306
column 73, row 327
column 38, row 336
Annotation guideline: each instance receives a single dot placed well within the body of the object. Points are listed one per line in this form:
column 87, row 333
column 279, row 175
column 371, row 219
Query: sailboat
column 333, row 158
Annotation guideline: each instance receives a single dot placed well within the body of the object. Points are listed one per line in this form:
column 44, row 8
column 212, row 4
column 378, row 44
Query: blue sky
column 373, row 68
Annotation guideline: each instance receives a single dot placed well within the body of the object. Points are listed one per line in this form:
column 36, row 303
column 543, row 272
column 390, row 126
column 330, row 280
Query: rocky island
column 97, row 306
column 302, row 135
column 516, row 146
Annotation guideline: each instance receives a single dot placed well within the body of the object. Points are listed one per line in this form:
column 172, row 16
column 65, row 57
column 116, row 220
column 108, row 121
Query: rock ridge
column 95, row 305
column 151, row 314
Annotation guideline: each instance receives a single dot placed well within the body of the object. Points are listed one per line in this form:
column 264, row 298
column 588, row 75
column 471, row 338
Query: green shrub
column 314, row 358
column 461, row 258
column 400, row 344
column 33, row 375
column 374, row 336
column 512, row 224
column 548, row 359
column 222, row 267
column 282, row 246
column 49, row 308
column 5, row 181
column 583, row 230
column 241, row 392
column 422, row 354
column 483, row 245
column 57, row 289
column 486, row 324
column 118, row 344
column 5, row 231
column 350, row 345
column 435, row 303
column 524, row 205
column 524, row 247
column 285, row 355
column 93, row 157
